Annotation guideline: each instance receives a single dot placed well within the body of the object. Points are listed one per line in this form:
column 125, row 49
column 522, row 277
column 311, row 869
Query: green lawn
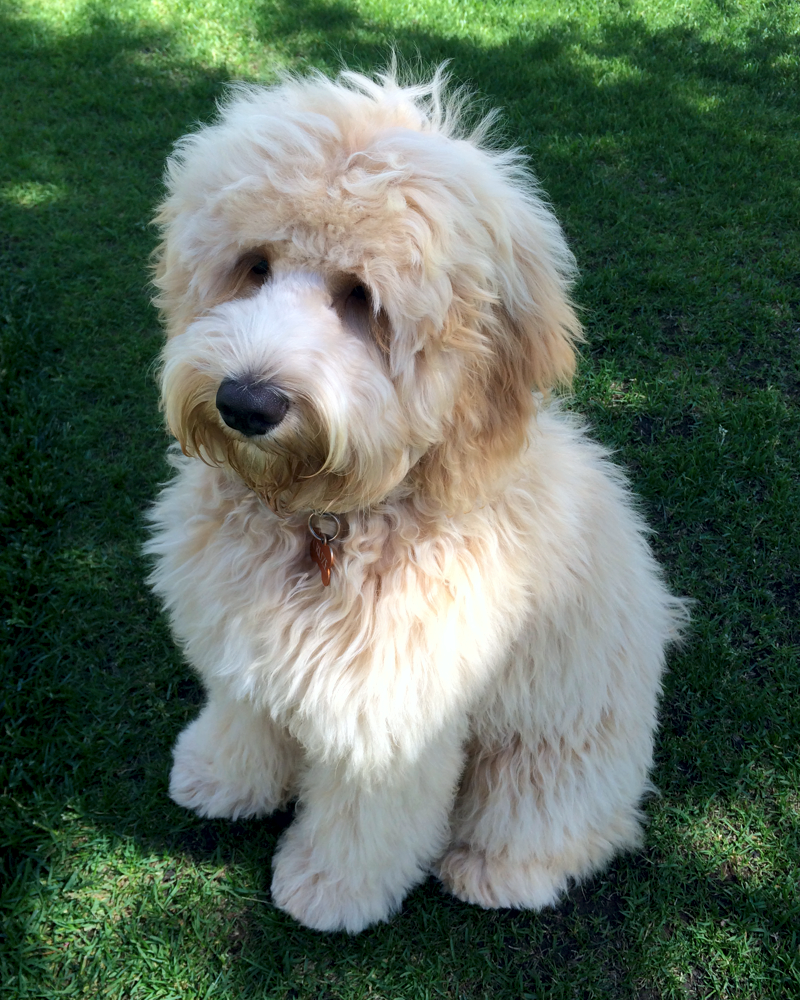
column 667, row 133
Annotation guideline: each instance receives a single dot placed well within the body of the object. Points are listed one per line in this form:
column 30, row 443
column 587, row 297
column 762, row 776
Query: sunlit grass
column 27, row 195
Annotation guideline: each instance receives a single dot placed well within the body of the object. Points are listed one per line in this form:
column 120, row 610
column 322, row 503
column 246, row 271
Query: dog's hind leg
column 534, row 815
column 360, row 843
column 233, row 762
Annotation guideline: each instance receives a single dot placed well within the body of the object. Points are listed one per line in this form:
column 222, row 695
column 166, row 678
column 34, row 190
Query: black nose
column 251, row 407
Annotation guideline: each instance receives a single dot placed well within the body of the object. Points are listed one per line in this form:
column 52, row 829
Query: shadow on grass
column 653, row 146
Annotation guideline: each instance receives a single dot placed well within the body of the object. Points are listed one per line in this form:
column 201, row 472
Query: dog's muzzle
column 249, row 407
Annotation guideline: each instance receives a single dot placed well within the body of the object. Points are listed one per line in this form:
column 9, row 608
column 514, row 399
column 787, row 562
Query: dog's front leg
column 233, row 762
column 360, row 842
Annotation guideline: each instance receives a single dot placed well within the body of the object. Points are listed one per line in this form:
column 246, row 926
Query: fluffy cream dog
column 360, row 299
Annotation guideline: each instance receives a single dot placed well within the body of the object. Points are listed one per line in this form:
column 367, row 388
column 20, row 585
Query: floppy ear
column 171, row 281
column 185, row 273
column 535, row 276
column 523, row 338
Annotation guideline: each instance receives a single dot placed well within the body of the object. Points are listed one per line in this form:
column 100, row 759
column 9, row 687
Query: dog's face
column 358, row 303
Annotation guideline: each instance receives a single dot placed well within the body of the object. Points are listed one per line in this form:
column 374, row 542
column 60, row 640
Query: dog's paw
column 194, row 784
column 493, row 881
column 205, row 783
column 324, row 898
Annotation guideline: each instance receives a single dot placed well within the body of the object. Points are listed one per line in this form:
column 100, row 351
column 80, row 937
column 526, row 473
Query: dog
column 420, row 599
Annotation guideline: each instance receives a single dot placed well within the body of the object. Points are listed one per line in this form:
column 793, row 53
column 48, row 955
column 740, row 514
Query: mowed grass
column 667, row 136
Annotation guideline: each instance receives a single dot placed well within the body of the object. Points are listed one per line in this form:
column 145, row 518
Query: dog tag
column 323, row 556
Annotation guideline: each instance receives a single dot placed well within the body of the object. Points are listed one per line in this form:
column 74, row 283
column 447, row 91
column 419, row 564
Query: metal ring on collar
column 321, row 536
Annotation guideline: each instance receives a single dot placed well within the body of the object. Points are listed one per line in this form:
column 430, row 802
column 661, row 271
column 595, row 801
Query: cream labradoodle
column 458, row 672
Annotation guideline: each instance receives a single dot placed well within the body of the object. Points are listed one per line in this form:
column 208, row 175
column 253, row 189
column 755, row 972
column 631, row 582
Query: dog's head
column 359, row 299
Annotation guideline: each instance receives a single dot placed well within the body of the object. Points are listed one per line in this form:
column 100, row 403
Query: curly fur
column 475, row 693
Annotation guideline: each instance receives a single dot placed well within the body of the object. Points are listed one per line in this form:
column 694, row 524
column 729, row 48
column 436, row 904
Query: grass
column 666, row 133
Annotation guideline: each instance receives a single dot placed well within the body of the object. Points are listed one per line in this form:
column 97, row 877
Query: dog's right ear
column 181, row 293
column 171, row 284
column 191, row 264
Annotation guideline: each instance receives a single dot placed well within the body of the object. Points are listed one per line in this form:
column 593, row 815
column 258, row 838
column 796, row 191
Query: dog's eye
column 359, row 294
column 260, row 268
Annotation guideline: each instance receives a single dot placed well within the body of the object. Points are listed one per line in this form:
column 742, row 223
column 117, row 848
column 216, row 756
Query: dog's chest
column 407, row 599
column 236, row 566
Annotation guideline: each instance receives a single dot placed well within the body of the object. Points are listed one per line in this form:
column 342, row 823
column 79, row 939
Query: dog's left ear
column 528, row 337
column 533, row 330
column 538, row 328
